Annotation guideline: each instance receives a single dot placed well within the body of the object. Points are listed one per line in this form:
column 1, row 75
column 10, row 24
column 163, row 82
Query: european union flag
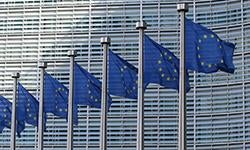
column 161, row 66
column 5, row 116
column 122, row 77
column 87, row 88
column 27, row 106
column 56, row 98
column 205, row 51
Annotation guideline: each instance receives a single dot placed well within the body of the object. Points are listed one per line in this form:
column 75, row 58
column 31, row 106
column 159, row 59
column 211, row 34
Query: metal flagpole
column 42, row 66
column 15, row 76
column 182, row 9
column 141, row 26
column 72, row 54
column 105, row 42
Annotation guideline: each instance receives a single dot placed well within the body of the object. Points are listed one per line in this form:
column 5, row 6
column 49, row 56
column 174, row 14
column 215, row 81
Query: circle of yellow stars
column 129, row 90
column 199, row 49
column 160, row 69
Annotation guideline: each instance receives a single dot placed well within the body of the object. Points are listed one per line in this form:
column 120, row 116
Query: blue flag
column 5, row 116
column 161, row 66
column 56, row 98
column 88, row 89
column 205, row 51
column 27, row 107
column 122, row 77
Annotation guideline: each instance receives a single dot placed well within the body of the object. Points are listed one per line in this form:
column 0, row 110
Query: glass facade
column 218, row 104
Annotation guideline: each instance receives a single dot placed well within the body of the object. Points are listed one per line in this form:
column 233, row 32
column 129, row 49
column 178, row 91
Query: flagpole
column 42, row 66
column 105, row 42
column 141, row 26
column 72, row 54
column 182, row 144
column 15, row 76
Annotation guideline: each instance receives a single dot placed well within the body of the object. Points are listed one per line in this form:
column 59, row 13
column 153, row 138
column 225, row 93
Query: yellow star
column 199, row 56
column 89, row 92
column 159, row 61
column 220, row 46
column 202, row 63
column 212, row 36
column 160, row 69
column 169, row 57
column 162, row 75
column 165, row 53
column 168, row 78
column 221, row 61
column 30, row 115
column 122, row 70
column 218, row 40
column 209, row 65
column 125, row 67
column 199, row 40
column 175, row 70
column 198, row 48
column 205, row 36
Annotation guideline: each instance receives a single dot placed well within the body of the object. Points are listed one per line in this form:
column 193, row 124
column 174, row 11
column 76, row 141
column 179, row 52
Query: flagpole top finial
column 42, row 64
column 72, row 53
column 141, row 24
column 15, row 75
column 105, row 40
column 182, row 7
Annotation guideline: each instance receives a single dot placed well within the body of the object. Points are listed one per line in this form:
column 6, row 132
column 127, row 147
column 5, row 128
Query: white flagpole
column 105, row 42
column 72, row 54
column 15, row 76
column 42, row 67
column 141, row 26
column 182, row 144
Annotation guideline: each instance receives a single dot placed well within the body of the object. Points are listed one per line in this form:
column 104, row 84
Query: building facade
column 218, row 105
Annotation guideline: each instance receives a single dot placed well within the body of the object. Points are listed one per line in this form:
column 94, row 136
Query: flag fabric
column 205, row 51
column 122, row 77
column 56, row 98
column 27, row 107
column 87, row 89
column 228, row 52
column 5, row 116
column 161, row 66
column 5, row 113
